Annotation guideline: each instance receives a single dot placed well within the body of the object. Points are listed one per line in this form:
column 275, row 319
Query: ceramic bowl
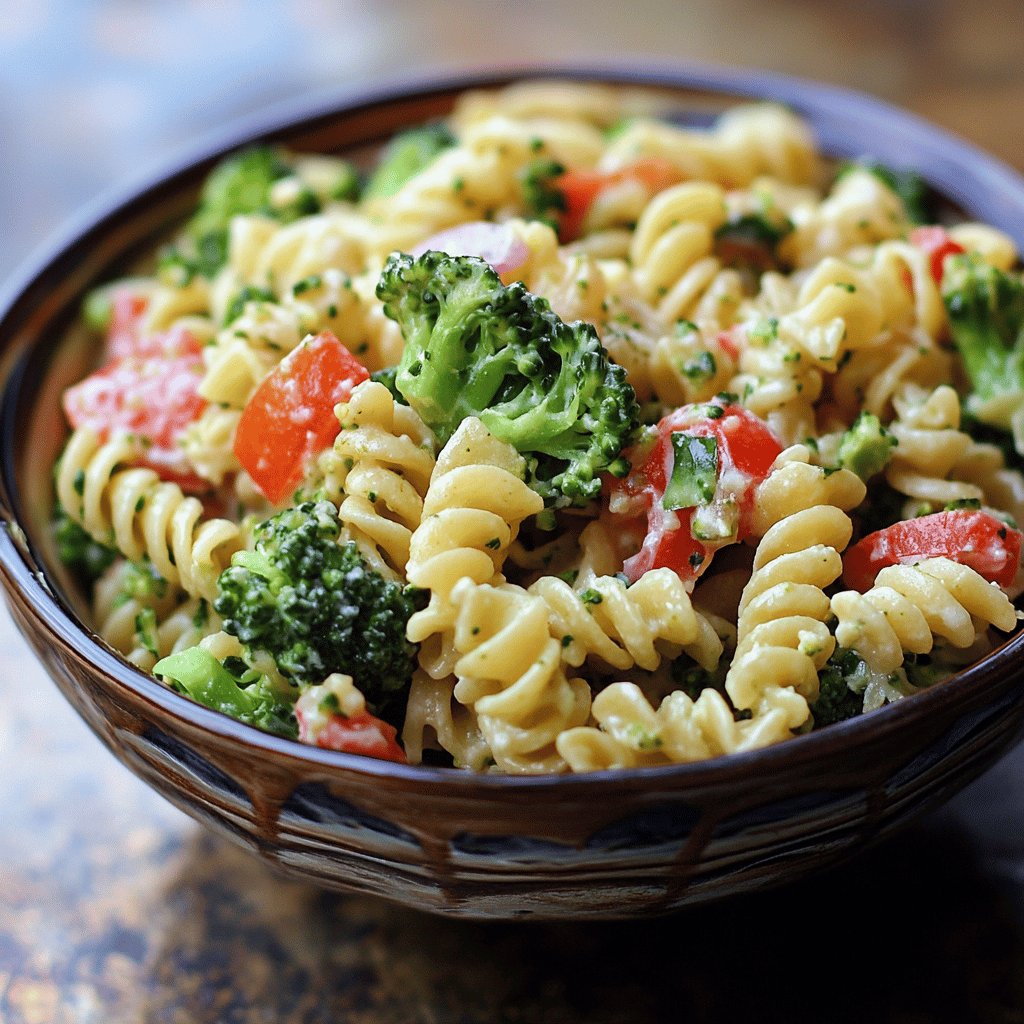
column 610, row 844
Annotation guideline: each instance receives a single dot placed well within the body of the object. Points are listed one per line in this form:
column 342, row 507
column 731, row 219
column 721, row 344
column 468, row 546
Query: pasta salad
column 561, row 437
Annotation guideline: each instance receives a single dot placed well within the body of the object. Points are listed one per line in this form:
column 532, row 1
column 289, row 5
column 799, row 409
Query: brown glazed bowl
column 610, row 844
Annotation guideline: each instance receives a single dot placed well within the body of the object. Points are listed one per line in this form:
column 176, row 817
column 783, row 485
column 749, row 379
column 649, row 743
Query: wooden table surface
column 116, row 908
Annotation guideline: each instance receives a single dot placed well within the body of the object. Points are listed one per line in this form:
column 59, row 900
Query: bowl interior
column 43, row 350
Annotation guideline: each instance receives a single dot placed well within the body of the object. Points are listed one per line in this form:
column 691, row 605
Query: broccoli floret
column 140, row 582
column 347, row 184
column 841, row 685
column 146, row 631
column 693, row 679
column 986, row 318
column 240, row 184
column 316, row 607
column 248, row 293
column 751, row 241
column 249, row 697
column 98, row 309
column 406, row 155
column 866, row 447
column 911, row 188
column 387, row 378
column 543, row 200
column 619, row 127
column 474, row 347
column 923, row 670
column 86, row 558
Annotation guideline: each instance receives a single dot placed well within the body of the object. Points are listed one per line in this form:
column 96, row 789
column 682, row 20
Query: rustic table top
column 116, row 908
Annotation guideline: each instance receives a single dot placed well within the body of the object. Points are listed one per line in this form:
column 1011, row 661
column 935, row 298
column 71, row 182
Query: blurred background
column 94, row 94
column 116, row 908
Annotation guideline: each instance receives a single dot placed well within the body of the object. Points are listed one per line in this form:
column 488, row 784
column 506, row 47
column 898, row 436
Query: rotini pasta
column 471, row 514
column 563, row 437
column 510, row 672
column 386, row 456
column 622, row 627
column 782, row 639
column 143, row 516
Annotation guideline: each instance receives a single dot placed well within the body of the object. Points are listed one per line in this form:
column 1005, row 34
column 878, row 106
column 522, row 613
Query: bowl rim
column 25, row 571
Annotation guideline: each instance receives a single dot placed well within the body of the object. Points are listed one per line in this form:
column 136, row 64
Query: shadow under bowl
column 609, row 844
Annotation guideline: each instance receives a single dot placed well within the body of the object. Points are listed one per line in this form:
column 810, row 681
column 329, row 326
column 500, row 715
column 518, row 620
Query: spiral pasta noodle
column 478, row 176
column 782, row 638
column 782, row 642
column 472, row 511
column 672, row 246
column 860, row 210
column 748, row 141
column 116, row 612
column 873, row 379
column 387, row 458
column 434, row 719
column 572, row 282
column 209, row 442
column 622, row 627
column 279, row 256
column 597, row 105
column 910, row 605
column 631, row 733
column 929, row 445
column 794, row 485
column 143, row 516
column 510, row 672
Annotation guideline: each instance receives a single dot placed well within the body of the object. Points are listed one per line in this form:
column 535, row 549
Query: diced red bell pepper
column 291, row 417
column 967, row 536
column 125, row 330
column 934, row 240
column 580, row 188
column 746, row 450
column 360, row 734
column 151, row 393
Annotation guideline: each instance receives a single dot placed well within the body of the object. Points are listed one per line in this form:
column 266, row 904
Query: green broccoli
column 86, row 558
column 249, row 696
column 841, row 687
column 239, row 184
column 909, row 186
column 146, row 634
column 98, row 309
column 387, row 378
column 751, row 241
column 475, row 347
column 140, row 582
column 619, row 127
column 866, row 447
column 986, row 318
column 405, row 156
column 346, row 186
column 693, row 679
column 316, row 607
column 248, row 293
column 542, row 198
